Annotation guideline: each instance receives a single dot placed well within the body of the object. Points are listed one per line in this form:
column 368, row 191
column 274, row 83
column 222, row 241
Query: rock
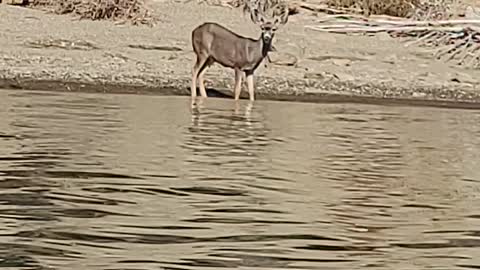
column 283, row 59
column 463, row 78
column 418, row 95
column 391, row 59
column 455, row 80
column 341, row 62
column 345, row 77
column 320, row 76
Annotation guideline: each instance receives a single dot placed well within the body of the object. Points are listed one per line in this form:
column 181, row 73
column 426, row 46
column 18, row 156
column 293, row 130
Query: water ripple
column 91, row 181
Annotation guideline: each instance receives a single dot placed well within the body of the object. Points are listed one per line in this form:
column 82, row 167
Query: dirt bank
column 46, row 51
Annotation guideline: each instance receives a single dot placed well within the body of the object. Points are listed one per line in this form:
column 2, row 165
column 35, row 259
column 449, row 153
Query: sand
column 42, row 51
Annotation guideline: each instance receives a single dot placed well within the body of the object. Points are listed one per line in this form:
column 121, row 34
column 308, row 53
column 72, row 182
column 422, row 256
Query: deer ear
column 262, row 20
column 276, row 21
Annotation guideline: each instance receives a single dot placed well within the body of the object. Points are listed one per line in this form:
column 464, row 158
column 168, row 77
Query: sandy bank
column 51, row 52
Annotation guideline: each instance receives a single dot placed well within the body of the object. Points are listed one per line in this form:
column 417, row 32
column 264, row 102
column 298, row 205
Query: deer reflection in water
column 226, row 136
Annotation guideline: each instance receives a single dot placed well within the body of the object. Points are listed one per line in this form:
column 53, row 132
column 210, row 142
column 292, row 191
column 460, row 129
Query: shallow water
column 91, row 181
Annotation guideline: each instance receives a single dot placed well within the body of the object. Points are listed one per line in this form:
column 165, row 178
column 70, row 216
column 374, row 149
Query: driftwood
column 448, row 39
column 321, row 8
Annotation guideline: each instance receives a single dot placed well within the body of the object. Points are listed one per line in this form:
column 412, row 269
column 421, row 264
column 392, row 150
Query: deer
column 214, row 43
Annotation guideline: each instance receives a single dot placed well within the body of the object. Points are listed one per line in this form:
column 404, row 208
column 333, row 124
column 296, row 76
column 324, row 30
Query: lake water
column 97, row 181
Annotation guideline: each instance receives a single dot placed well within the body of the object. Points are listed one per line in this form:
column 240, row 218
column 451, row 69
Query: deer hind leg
column 195, row 72
column 249, row 76
column 201, row 77
column 193, row 88
column 238, row 83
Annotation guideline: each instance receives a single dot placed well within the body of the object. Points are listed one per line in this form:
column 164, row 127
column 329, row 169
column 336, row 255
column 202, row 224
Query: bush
column 134, row 11
column 417, row 9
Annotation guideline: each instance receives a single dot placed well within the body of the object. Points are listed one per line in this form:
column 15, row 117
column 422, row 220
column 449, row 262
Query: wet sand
column 51, row 52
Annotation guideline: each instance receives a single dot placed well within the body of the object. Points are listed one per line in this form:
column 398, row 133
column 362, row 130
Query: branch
column 376, row 29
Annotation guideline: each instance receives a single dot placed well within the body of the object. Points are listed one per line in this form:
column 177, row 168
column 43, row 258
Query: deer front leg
column 238, row 83
column 250, row 85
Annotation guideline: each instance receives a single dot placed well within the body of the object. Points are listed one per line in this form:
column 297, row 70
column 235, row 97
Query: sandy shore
column 122, row 58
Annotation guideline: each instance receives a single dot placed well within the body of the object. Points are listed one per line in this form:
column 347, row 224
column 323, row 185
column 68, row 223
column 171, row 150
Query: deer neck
column 261, row 49
column 265, row 45
column 257, row 51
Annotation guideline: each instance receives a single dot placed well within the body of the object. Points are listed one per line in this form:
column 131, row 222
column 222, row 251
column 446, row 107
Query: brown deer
column 213, row 43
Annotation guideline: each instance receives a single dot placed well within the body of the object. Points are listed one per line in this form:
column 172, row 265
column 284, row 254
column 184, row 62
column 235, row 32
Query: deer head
column 269, row 15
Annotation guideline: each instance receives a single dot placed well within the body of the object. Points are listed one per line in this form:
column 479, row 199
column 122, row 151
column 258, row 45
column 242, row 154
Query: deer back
column 226, row 47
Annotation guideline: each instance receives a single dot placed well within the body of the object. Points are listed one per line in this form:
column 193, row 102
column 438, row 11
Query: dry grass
column 414, row 9
column 399, row 8
column 133, row 11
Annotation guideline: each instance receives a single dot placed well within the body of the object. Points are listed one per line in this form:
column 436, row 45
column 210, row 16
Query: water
column 91, row 181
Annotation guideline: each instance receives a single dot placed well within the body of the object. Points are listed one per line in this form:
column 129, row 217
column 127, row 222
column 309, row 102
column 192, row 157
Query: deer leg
column 193, row 88
column 250, row 85
column 238, row 83
column 195, row 72
column 201, row 80
column 201, row 83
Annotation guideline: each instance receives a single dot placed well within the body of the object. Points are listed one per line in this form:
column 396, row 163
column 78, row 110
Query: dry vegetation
column 133, row 11
column 401, row 8
column 432, row 24
column 415, row 9
column 434, row 9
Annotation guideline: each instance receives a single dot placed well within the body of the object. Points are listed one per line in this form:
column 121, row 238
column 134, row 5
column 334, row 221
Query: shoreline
column 321, row 98
column 42, row 51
